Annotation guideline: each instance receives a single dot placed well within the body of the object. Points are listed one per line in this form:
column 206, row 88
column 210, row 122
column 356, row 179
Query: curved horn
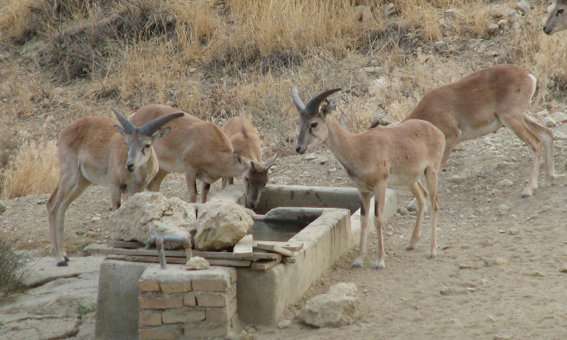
column 271, row 162
column 297, row 100
column 153, row 125
column 313, row 106
column 126, row 124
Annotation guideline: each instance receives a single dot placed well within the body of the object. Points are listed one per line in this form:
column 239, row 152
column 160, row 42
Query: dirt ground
column 500, row 273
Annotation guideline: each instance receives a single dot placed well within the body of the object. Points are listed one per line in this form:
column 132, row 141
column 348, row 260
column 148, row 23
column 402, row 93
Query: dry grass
column 216, row 59
column 34, row 170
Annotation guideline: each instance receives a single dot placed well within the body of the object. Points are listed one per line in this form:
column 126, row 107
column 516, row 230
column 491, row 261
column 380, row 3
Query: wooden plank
column 209, row 255
column 274, row 248
column 244, row 246
column 177, row 260
column 291, row 246
column 126, row 244
column 263, row 265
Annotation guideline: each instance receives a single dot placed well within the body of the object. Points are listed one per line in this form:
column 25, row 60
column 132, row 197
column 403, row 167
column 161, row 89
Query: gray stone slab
column 117, row 303
column 42, row 270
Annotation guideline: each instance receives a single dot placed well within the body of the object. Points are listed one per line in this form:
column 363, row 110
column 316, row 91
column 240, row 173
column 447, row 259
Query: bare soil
column 499, row 274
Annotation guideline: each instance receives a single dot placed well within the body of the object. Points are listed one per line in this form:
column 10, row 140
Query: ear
column 162, row 132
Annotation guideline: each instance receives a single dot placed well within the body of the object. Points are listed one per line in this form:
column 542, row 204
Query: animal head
column 557, row 19
column 139, row 139
column 312, row 116
column 255, row 180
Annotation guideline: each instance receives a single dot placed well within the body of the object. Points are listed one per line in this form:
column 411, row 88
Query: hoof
column 378, row 264
column 526, row 194
column 357, row 263
column 62, row 263
column 66, row 258
column 410, row 248
column 432, row 255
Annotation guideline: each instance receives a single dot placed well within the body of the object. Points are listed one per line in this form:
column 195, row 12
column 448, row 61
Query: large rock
column 221, row 224
column 339, row 307
column 149, row 215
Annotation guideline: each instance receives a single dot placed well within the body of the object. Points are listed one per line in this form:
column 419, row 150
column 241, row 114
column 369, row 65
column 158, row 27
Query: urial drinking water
column 93, row 150
column 375, row 159
column 246, row 142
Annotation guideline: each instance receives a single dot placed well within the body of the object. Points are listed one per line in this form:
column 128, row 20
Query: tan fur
column 379, row 158
column 197, row 148
column 92, row 151
column 483, row 102
column 246, row 141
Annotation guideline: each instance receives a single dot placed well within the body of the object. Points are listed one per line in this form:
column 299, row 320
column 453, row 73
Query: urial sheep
column 93, row 150
column 376, row 159
column 197, row 148
column 246, row 142
column 482, row 103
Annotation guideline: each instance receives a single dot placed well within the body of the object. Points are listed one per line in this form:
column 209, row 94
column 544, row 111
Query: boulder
column 221, row 224
column 146, row 216
column 339, row 307
column 2, row 208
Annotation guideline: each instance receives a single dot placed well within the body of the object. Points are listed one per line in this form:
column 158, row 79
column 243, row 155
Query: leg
column 418, row 192
column 115, row 196
column 380, row 198
column 431, row 178
column 191, row 181
column 70, row 187
column 546, row 137
column 520, row 127
column 364, row 214
column 205, row 191
column 451, row 140
column 156, row 181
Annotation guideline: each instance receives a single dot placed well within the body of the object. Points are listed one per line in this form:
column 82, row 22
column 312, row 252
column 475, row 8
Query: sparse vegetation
column 215, row 59
column 11, row 268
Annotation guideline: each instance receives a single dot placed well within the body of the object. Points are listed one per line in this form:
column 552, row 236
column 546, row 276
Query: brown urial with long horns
column 376, row 159
column 93, row 150
column 246, row 141
column 197, row 148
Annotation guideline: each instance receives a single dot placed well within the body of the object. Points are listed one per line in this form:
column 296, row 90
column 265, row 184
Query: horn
column 153, row 125
column 126, row 124
column 313, row 106
column 271, row 162
column 297, row 100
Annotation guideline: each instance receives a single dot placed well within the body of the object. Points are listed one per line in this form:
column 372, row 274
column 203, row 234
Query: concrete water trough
column 325, row 220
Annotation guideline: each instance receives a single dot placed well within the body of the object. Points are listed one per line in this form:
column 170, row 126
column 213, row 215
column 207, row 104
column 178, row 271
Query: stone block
column 189, row 299
column 211, row 285
column 148, row 286
column 160, row 301
column 211, row 299
column 150, row 318
column 176, row 287
column 170, row 332
column 182, row 315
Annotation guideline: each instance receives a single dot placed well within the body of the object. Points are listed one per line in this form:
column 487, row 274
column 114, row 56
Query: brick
column 170, row 332
column 211, row 299
column 217, row 315
column 205, row 330
column 182, row 315
column 156, row 301
column 148, row 286
column 189, row 299
column 176, row 286
column 149, row 318
column 210, row 285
